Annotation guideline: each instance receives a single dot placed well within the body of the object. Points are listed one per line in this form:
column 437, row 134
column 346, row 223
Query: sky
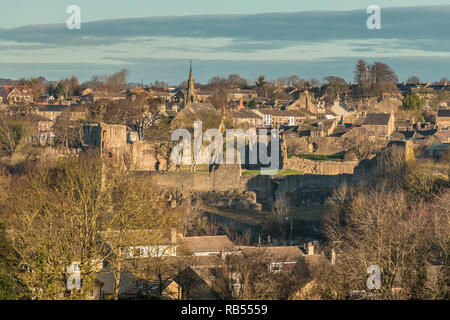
column 156, row 39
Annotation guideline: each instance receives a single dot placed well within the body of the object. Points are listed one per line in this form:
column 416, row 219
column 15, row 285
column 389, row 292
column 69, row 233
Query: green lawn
column 321, row 157
column 286, row 172
column 196, row 171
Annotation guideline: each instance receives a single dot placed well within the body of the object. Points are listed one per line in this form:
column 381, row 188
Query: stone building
column 241, row 94
column 116, row 145
column 15, row 94
column 443, row 119
column 383, row 124
column 341, row 111
column 89, row 95
column 305, row 101
column 52, row 112
column 108, row 139
column 243, row 118
column 276, row 118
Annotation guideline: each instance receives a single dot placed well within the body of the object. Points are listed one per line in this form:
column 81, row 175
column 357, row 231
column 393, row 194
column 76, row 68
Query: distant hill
column 6, row 81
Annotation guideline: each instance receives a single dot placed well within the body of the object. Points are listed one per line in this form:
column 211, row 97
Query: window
column 138, row 252
column 275, row 267
column 291, row 121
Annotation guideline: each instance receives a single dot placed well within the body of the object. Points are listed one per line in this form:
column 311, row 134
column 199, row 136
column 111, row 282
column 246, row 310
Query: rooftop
column 377, row 119
column 287, row 253
column 207, row 243
column 443, row 113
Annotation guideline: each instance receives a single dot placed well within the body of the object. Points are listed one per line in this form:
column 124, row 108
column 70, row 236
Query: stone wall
column 307, row 189
column 299, row 189
column 320, row 167
column 105, row 136
column 314, row 145
column 226, row 177
column 143, row 157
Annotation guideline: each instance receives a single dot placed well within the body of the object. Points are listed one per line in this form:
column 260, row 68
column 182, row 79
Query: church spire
column 191, row 95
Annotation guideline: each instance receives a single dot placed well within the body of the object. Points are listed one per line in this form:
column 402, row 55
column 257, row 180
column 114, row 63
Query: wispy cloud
column 410, row 25
column 282, row 43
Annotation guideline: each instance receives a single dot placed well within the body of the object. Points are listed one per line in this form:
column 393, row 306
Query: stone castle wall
column 299, row 190
column 226, row 177
column 314, row 145
column 317, row 183
column 320, row 167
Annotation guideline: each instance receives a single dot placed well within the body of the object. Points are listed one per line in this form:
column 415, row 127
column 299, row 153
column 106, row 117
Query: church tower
column 191, row 95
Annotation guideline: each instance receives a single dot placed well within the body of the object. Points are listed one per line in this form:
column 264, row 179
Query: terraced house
column 276, row 118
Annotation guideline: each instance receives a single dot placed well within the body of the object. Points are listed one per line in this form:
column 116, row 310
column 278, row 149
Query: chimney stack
column 241, row 105
column 173, row 236
column 310, row 248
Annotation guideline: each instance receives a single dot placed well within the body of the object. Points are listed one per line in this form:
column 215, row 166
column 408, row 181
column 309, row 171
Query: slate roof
column 438, row 146
column 207, row 243
column 61, row 108
column 377, row 119
column 444, row 113
column 273, row 112
column 243, row 114
column 443, row 136
column 277, row 254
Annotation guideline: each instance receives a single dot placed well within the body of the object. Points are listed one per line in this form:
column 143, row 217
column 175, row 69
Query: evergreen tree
column 412, row 101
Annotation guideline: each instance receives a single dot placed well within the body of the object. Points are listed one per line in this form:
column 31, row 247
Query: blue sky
column 156, row 39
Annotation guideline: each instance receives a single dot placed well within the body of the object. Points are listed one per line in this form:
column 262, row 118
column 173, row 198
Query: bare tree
column 379, row 226
column 140, row 218
column 57, row 223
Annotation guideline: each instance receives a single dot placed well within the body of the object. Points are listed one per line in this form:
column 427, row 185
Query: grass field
column 286, row 172
column 321, row 157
